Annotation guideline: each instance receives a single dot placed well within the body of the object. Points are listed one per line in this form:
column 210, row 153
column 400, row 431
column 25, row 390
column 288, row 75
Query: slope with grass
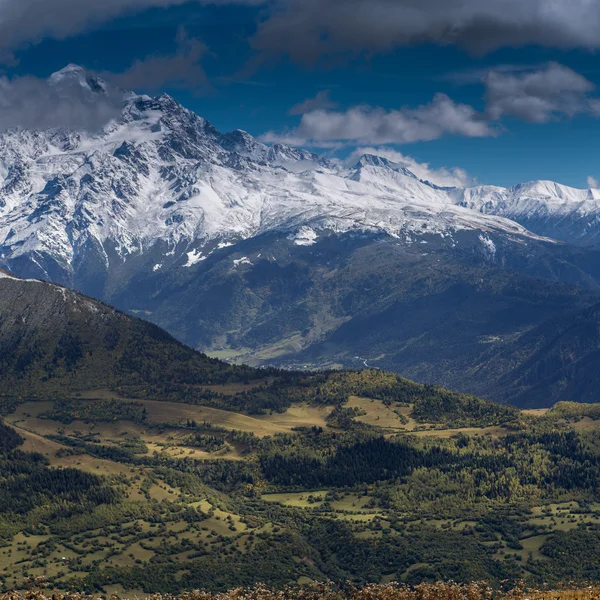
column 131, row 463
column 404, row 483
column 54, row 341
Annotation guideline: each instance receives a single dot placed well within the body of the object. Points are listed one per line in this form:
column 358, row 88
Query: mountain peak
column 372, row 160
column 241, row 134
column 74, row 74
column 167, row 100
column 70, row 68
column 240, row 141
column 550, row 189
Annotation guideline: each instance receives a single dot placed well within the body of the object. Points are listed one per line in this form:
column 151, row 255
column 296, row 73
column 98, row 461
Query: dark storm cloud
column 310, row 29
column 29, row 21
column 182, row 69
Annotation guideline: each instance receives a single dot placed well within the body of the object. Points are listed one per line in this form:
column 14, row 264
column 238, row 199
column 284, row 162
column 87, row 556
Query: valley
column 275, row 256
column 270, row 431
column 195, row 493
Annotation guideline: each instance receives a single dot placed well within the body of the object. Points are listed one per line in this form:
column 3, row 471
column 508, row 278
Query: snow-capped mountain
column 276, row 255
column 545, row 207
column 161, row 175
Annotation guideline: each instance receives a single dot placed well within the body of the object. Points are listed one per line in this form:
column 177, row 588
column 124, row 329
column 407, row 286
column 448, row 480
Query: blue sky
column 517, row 106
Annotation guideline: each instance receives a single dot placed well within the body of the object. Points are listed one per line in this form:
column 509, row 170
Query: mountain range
column 272, row 255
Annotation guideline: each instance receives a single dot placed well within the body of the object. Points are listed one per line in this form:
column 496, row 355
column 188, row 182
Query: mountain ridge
column 162, row 156
column 54, row 341
column 259, row 252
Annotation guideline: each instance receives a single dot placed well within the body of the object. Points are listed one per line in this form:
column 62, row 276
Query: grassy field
column 358, row 511
column 536, row 412
column 396, row 418
column 151, row 521
column 377, row 414
column 122, row 545
column 438, row 432
column 586, row 423
column 346, row 506
column 261, row 426
column 164, row 438
column 392, row 419
column 229, row 354
column 297, row 499
column 36, row 443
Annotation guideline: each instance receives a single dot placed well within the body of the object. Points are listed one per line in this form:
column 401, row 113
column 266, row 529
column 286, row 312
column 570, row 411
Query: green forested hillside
column 53, row 341
column 132, row 464
column 139, row 496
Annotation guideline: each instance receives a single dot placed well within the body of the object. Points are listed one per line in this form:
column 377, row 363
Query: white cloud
column 533, row 94
column 592, row 183
column 444, row 176
column 539, row 95
column 71, row 99
column 365, row 125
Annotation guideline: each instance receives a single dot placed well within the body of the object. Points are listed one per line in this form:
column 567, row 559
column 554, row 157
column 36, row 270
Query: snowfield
column 160, row 173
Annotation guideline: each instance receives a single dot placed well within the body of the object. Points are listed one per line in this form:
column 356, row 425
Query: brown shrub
column 327, row 591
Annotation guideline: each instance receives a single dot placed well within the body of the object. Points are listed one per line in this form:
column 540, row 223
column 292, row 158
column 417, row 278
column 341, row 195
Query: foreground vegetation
column 359, row 477
column 329, row 591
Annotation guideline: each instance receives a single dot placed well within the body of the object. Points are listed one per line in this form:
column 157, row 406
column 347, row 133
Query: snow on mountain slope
column 161, row 175
column 545, row 207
